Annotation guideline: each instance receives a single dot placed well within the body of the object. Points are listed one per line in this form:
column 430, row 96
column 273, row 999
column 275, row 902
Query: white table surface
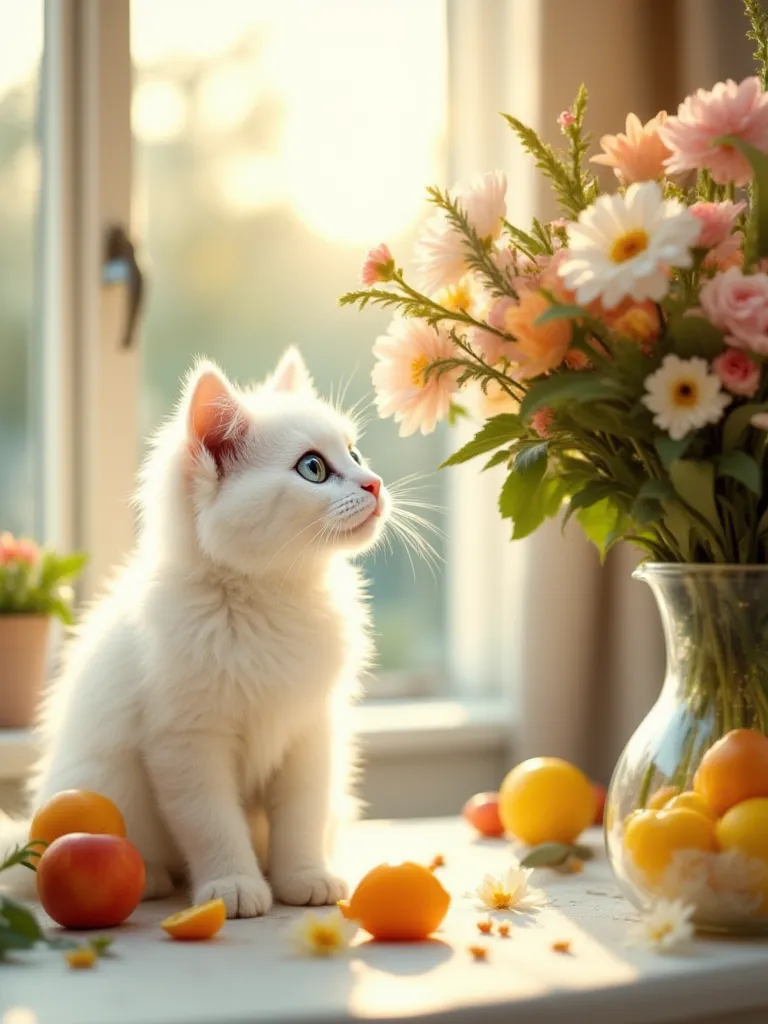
column 250, row 974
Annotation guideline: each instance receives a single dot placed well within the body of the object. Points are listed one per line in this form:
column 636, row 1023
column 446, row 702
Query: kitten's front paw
column 158, row 883
column 314, row 887
column 243, row 895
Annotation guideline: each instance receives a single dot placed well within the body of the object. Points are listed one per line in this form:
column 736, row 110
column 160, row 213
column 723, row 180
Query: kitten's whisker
column 416, row 520
column 290, row 541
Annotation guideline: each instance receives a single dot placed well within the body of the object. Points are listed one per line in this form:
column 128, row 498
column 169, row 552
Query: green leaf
column 694, row 481
column 737, row 424
column 594, row 491
column 694, row 336
column 759, row 164
column 528, row 498
column 579, row 386
column 599, row 523
column 647, row 507
column 670, row 451
column 101, row 945
column 496, row 460
column 552, row 855
column 520, row 489
column 20, row 919
column 678, row 522
column 495, row 432
column 661, row 490
column 562, row 312
column 455, row 413
column 57, row 568
column 10, row 939
column 743, row 468
column 530, row 455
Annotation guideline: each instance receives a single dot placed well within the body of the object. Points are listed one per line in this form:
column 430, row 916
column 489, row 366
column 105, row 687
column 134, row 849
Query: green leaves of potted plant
column 34, row 587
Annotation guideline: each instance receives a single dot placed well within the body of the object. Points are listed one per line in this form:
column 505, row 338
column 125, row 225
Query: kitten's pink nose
column 373, row 487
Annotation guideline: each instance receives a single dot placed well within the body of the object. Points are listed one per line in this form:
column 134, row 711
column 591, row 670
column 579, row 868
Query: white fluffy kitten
column 211, row 680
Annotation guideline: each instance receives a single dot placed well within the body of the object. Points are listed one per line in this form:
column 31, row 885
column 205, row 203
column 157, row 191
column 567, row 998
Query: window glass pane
column 21, row 46
column 275, row 142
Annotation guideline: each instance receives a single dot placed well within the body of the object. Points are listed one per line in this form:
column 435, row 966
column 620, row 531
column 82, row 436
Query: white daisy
column 441, row 251
column 510, row 891
column 623, row 245
column 664, row 926
column 322, row 934
column 684, row 395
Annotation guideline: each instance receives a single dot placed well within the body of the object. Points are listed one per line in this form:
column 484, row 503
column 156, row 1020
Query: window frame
column 91, row 384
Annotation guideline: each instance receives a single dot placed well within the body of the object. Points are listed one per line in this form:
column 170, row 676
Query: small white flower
column 510, row 891
column 322, row 934
column 623, row 245
column 665, row 925
column 684, row 396
column 441, row 251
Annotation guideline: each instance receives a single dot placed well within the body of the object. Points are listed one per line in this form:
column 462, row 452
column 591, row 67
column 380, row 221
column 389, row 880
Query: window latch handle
column 121, row 267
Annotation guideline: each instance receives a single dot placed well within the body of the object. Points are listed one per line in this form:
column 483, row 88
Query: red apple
column 600, row 794
column 482, row 812
column 90, row 881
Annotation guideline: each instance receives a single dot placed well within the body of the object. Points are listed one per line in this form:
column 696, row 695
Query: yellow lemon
column 653, row 837
column 545, row 800
column 692, row 801
column 745, row 828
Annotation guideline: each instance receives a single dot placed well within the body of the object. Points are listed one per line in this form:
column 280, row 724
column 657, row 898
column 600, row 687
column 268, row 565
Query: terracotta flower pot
column 23, row 662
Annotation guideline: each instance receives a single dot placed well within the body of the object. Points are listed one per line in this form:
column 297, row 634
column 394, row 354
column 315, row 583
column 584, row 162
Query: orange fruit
column 196, row 923
column 398, row 902
column 653, row 837
column 661, row 797
column 76, row 810
column 745, row 828
column 545, row 800
column 693, row 801
column 733, row 769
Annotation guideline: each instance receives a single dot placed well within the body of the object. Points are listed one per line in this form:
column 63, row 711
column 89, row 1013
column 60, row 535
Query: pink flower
column 403, row 389
column 492, row 347
column 729, row 109
column 441, row 250
column 378, row 266
column 565, row 120
column 717, row 221
column 541, row 422
column 738, row 303
column 639, row 154
column 737, row 372
column 14, row 549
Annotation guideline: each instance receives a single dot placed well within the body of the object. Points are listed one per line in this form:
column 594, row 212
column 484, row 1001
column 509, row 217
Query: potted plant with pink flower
column 34, row 587
column 628, row 343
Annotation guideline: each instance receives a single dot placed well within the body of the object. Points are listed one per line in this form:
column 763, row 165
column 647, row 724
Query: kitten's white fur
column 215, row 675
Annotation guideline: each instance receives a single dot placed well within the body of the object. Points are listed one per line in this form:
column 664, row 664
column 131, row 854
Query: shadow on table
column 398, row 957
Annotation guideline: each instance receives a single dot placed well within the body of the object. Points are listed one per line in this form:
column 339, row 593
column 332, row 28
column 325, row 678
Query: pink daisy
column 729, row 109
column 402, row 387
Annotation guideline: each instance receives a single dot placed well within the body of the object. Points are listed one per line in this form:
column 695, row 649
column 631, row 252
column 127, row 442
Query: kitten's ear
column 215, row 419
column 291, row 374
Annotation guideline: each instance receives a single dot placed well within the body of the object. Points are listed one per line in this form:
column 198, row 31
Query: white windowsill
column 385, row 729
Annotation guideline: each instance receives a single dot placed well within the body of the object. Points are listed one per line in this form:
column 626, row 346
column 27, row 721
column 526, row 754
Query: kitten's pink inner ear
column 215, row 419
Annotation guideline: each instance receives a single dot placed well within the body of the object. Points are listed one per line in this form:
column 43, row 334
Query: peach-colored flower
column 737, row 372
column 538, row 347
column 378, row 266
column 636, row 320
column 403, row 389
column 493, row 401
column 638, row 154
column 491, row 346
column 541, row 422
column 441, row 250
column 729, row 109
column 565, row 120
column 738, row 303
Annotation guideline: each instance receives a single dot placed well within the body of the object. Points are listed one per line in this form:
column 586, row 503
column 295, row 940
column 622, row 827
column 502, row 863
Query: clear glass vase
column 687, row 809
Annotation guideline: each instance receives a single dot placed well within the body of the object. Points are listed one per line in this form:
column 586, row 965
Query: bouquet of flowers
column 618, row 353
column 34, row 581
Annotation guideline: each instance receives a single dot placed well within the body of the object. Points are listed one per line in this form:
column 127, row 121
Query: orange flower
column 485, row 927
column 561, row 946
column 478, row 952
column 538, row 348
column 638, row 321
column 504, row 930
column 639, row 154
column 438, row 861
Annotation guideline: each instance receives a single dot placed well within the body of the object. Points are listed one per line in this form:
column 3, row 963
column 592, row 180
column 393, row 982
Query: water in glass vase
column 687, row 809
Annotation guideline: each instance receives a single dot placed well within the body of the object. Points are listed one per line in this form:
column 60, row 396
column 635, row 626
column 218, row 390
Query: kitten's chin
column 362, row 535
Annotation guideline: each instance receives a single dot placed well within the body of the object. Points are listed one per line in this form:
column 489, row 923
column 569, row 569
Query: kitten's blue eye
column 313, row 468
column 356, row 456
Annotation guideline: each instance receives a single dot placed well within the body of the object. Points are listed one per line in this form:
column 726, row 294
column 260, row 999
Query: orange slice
column 196, row 923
